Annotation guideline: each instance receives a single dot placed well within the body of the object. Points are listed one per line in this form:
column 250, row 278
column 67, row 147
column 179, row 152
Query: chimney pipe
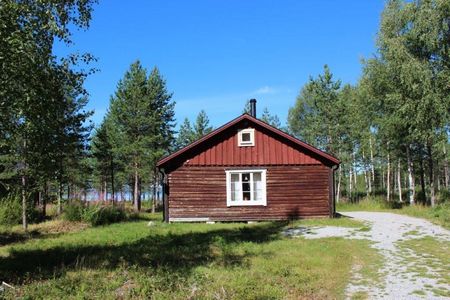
column 253, row 108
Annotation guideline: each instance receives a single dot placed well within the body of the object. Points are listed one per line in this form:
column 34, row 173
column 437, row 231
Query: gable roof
column 328, row 157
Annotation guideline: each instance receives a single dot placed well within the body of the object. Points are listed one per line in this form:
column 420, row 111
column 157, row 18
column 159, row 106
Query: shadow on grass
column 176, row 253
column 7, row 238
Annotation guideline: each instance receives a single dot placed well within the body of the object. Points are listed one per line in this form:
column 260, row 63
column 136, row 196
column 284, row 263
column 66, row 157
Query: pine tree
column 102, row 151
column 143, row 116
column 185, row 134
column 201, row 126
column 246, row 109
column 270, row 119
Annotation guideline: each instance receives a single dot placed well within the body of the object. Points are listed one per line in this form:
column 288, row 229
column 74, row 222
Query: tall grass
column 11, row 210
column 97, row 214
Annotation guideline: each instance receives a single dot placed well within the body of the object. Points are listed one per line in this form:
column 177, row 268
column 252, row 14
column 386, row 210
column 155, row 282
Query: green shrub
column 73, row 212
column 442, row 213
column 34, row 215
column 444, row 196
column 11, row 210
column 102, row 215
column 94, row 214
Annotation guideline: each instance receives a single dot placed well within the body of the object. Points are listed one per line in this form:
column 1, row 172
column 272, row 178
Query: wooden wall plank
column 292, row 192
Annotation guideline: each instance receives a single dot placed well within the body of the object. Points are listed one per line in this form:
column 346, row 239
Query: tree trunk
column 394, row 178
column 60, row 191
column 350, row 171
column 437, row 177
column 154, row 194
column 371, row 160
column 338, row 190
column 44, row 201
column 105, row 191
column 411, row 187
column 388, row 179
column 136, row 196
column 399, row 184
column 366, row 177
column 431, row 176
column 366, row 184
column 422, row 180
column 24, row 203
column 446, row 179
column 354, row 171
column 113, row 191
column 68, row 191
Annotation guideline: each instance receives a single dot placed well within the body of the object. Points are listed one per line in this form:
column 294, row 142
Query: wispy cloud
column 272, row 90
column 265, row 90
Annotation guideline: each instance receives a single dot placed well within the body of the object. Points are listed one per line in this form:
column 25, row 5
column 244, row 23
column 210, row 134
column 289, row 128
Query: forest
column 390, row 130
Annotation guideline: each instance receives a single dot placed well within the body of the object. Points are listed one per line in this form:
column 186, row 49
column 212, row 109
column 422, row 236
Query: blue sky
column 217, row 54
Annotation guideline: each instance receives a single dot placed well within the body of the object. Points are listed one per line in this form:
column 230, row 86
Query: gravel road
column 406, row 274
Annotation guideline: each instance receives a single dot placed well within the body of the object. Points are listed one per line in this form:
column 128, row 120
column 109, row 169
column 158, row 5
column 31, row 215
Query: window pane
column 246, row 137
column 235, row 190
column 246, row 186
column 257, row 186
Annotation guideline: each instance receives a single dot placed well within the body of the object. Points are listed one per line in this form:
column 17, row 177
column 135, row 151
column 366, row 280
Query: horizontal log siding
column 292, row 192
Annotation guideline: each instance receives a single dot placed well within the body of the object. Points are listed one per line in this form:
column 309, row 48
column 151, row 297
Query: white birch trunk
column 411, row 186
column 354, row 170
column 446, row 175
column 350, row 171
column 338, row 189
column 399, row 179
column 388, row 178
column 371, row 160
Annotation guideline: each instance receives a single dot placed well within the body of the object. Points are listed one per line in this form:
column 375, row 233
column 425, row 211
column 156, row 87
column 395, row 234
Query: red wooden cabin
column 247, row 170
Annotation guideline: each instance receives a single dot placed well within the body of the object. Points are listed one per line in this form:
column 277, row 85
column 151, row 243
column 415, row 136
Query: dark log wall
column 292, row 192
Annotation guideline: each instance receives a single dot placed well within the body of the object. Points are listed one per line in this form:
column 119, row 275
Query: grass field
column 181, row 261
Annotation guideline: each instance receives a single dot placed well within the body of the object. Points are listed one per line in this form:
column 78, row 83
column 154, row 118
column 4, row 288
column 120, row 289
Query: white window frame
column 251, row 202
column 250, row 143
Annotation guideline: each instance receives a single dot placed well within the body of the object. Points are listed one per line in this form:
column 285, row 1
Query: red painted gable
column 268, row 150
column 272, row 147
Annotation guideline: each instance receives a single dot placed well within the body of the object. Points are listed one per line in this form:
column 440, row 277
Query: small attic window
column 246, row 137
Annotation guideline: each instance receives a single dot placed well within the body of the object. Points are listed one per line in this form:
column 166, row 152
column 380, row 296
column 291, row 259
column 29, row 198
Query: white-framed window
column 246, row 137
column 246, row 187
